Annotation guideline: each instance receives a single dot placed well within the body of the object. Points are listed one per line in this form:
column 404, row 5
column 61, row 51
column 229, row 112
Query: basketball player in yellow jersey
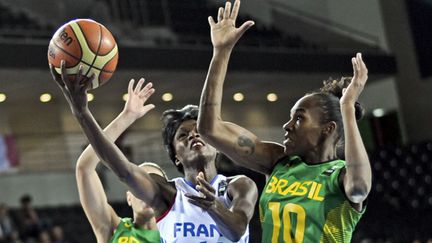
column 107, row 225
column 311, row 195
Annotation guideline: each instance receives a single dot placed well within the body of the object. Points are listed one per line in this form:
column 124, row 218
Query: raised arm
column 242, row 146
column 233, row 221
column 137, row 180
column 92, row 196
column 357, row 179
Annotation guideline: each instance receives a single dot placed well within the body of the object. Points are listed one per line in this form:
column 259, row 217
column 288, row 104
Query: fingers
column 88, row 82
column 205, row 188
column 245, row 26
column 64, row 75
column 145, row 94
column 63, row 71
column 148, row 108
column 138, row 86
column 199, row 201
column 130, row 86
column 227, row 10
column 355, row 68
column 235, row 10
column 220, row 14
column 211, row 21
column 361, row 63
column 56, row 76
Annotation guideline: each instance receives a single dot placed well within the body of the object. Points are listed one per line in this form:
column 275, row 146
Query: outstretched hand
column 75, row 91
column 351, row 93
column 137, row 97
column 224, row 34
column 207, row 200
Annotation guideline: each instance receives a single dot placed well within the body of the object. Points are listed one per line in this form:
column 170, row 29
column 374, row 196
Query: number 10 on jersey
column 286, row 224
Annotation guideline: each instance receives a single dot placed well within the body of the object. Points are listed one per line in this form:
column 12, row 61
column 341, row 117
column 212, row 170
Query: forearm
column 89, row 159
column 358, row 177
column 105, row 149
column 232, row 225
column 211, row 97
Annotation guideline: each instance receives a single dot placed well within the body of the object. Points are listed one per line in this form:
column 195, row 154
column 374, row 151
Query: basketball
column 88, row 43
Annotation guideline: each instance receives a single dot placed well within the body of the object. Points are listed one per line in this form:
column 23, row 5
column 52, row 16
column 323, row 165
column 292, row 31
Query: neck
column 209, row 172
column 322, row 152
column 145, row 223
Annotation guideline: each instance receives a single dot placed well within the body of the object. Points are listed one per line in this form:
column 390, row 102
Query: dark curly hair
column 329, row 97
column 172, row 119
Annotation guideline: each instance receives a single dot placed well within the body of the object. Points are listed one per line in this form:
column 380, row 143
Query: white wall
column 380, row 94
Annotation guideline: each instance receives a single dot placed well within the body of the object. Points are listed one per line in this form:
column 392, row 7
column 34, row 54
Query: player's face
column 190, row 148
column 140, row 208
column 303, row 132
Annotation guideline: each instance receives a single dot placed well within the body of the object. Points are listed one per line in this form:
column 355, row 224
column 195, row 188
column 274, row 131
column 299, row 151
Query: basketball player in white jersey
column 202, row 206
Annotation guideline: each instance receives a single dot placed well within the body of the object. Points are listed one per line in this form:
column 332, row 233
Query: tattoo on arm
column 246, row 144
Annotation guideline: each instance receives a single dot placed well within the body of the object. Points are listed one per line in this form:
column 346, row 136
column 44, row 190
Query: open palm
column 224, row 34
column 354, row 89
column 137, row 97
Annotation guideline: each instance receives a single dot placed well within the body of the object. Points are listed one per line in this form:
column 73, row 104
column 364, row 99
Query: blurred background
column 293, row 47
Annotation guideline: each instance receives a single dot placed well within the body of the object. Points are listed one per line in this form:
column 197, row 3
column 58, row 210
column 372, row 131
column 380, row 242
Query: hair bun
column 359, row 111
column 335, row 87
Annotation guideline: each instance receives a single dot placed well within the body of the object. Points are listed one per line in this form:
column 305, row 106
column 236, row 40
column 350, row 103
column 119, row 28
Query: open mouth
column 196, row 144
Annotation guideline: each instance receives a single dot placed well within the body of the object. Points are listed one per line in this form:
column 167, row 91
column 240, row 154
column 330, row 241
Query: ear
column 177, row 161
column 329, row 128
column 129, row 198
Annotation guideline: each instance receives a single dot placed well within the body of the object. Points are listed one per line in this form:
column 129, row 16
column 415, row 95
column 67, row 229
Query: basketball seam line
column 80, row 60
column 82, row 52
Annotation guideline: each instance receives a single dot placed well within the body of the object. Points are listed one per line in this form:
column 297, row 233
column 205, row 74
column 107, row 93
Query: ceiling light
column 238, row 97
column 46, row 97
column 90, row 97
column 2, row 97
column 167, row 97
column 125, row 96
column 379, row 112
column 272, row 97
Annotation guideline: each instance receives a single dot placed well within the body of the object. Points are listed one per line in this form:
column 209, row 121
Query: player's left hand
column 75, row 91
column 137, row 97
column 224, row 34
column 207, row 200
column 351, row 93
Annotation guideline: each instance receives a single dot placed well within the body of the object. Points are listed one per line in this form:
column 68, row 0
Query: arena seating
column 19, row 25
column 188, row 20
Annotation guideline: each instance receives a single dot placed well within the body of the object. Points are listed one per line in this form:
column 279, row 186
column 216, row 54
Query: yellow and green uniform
column 305, row 203
column 127, row 233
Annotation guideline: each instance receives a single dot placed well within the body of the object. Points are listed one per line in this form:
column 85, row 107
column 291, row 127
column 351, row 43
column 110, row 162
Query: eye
column 181, row 135
column 299, row 118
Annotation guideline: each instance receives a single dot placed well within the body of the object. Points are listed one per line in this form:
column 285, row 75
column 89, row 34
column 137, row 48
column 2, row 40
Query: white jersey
column 187, row 223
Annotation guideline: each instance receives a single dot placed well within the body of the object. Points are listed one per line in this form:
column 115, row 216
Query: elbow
column 81, row 169
column 358, row 192
column 79, row 172
column 237, row 233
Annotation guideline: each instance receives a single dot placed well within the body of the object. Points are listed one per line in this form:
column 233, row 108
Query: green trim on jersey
column 305, row 203
column 127, row 233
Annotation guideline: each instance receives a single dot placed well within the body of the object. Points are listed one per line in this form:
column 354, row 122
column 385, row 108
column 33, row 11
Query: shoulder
column 241, row 184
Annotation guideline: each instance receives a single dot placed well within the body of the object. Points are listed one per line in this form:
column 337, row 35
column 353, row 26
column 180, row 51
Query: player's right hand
column 75, row 91
column 134, row 106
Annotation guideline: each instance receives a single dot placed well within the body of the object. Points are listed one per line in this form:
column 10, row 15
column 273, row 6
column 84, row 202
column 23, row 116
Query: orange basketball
column 88, row 43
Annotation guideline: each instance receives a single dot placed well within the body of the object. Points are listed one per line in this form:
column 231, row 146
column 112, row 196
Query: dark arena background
column 293, row 47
